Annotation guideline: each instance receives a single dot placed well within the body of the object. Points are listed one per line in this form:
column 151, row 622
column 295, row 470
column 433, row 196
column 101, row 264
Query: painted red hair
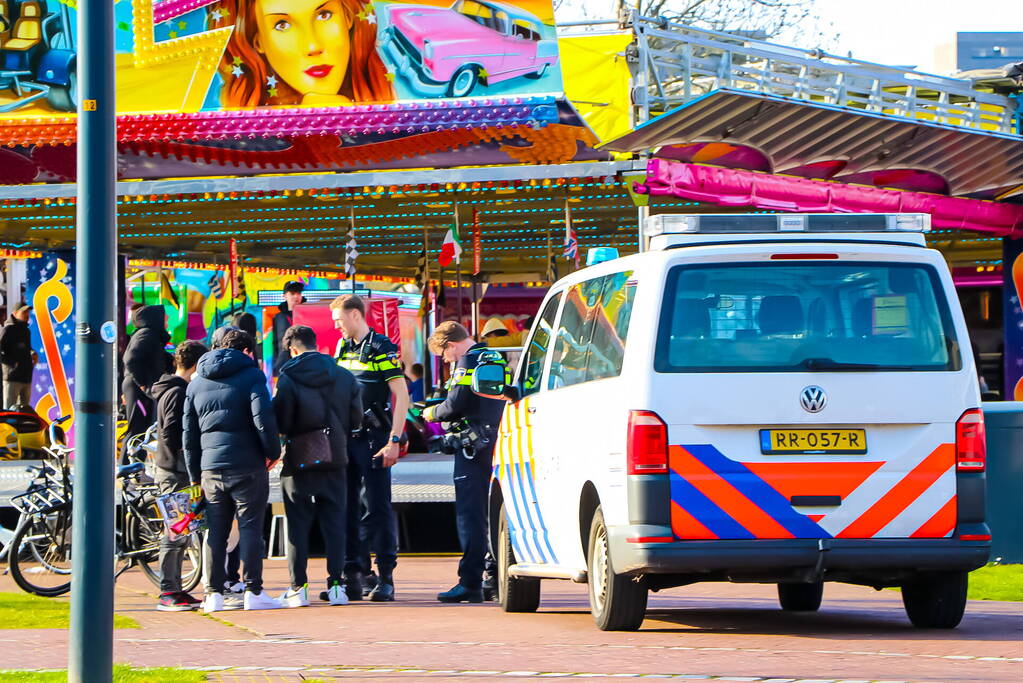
column 366, row 81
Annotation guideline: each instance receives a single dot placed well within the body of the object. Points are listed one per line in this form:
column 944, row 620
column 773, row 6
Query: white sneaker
column 256, row 601
column 217, row 602
column 213, row 602
column 237, row 588
column 336, row 595
column 295, row 598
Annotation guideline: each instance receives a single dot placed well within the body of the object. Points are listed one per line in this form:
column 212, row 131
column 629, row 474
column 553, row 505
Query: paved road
column 731, row 632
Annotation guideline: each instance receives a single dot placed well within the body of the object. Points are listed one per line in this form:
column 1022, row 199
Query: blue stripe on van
column 762, row 494
column 693, row 501
column 539, row 515
column 516, row 528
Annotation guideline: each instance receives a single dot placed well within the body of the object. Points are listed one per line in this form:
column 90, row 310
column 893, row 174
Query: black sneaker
column 461, row 594
column 384, row 590
column 369, row 582
column 353, row 585
column 174, row 602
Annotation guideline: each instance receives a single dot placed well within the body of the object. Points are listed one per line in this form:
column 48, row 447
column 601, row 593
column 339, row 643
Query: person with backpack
column 317, row 405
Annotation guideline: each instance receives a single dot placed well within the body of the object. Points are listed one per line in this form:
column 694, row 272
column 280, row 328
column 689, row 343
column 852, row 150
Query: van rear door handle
column 816, row 501
column 531, row 409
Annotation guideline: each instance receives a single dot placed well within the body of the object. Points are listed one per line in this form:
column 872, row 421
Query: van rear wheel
column 517, row 594
column 801, row 597
column 936, row 600
column 618, row 602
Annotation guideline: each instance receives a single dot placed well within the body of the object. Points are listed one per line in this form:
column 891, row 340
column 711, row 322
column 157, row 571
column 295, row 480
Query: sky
column 895, row 32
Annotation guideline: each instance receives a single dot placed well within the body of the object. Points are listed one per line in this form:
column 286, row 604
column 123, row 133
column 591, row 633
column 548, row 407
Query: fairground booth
column 365, row 145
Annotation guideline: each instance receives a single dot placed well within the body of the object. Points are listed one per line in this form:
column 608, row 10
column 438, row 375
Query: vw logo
column 813, row 399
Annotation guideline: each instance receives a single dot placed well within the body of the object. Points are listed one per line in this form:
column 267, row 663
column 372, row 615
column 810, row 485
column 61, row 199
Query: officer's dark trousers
column 316, row 496
column 472, row 481
column 378, row 532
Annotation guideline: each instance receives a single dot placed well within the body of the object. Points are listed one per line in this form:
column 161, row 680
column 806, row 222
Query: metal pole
column 90, row 645
column 458, row 268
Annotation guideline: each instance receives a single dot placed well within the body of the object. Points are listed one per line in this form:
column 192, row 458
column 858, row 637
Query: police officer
column 473, row 421
column 373, row 359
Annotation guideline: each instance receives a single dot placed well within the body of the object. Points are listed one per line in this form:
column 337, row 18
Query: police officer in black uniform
column 471, row 421
column 373, row 359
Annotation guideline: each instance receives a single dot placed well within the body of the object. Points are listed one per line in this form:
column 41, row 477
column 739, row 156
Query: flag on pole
column 167, row 292
column 351, row 251
column 216, row 289
column 552, row 262
column 451, row 250
column 571, row 251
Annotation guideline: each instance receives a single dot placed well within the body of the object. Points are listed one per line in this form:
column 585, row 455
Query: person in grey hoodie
column 231, row 441
column 171, row 472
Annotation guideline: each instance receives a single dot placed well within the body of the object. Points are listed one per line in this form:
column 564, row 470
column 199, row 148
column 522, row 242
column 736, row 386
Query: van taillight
column 971, row 442
column 648, row 443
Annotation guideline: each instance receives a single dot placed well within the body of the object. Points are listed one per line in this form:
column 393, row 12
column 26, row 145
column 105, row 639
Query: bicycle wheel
column 40, row 556
column 143, row 545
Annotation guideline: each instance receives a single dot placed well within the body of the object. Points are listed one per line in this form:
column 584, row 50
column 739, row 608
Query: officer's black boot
column 353, row 585
column 384, row 591
column 461, row 594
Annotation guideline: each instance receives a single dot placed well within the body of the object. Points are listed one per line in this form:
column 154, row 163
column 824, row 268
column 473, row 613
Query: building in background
column 980, row 50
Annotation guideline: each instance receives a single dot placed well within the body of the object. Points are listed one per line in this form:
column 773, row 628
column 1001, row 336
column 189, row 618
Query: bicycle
column 42, row 563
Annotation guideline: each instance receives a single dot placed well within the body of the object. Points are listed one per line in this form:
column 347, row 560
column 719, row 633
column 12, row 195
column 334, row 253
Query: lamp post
column 90, row 646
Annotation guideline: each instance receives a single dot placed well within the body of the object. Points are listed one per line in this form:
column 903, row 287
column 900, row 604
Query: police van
column 786, row 399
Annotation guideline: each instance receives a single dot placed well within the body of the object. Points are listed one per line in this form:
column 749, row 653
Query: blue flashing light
column 600, row 255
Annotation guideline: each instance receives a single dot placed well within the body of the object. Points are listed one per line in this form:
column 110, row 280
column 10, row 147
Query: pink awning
column 732, row 187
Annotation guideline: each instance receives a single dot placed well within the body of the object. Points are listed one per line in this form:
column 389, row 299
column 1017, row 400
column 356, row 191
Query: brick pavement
column 721, row 630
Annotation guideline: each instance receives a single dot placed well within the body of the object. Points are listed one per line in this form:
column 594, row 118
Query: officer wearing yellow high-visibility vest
column 373, row 359
column 472, row 421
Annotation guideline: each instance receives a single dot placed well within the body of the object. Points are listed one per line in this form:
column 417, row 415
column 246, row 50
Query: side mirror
column 512, row 393
column 488, row 380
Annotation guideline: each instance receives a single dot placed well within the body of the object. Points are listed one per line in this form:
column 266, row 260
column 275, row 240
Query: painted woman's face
column 306, row 43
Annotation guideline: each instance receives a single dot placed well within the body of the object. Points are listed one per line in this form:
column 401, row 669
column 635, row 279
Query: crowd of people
column 337, row 422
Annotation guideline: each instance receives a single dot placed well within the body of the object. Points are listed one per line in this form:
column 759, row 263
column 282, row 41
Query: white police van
column 783, row 399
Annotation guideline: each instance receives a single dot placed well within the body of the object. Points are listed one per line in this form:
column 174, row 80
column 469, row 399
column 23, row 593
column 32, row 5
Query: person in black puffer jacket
column 313, row 393
column 231, row 440
column 171, row 473
column 145, row 361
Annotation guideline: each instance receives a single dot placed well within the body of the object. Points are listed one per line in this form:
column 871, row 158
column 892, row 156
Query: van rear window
column 805, row 317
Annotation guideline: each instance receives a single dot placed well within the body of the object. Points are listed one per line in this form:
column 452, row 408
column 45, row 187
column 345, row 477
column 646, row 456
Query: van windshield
column 805, row 317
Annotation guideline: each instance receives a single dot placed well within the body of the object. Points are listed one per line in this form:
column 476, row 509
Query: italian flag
column 451, row 250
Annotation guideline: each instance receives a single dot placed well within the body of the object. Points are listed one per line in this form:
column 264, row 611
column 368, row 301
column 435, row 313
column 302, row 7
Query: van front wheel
column 516, row 594
column 936, row 600
column 801, row 597
column 618, row 602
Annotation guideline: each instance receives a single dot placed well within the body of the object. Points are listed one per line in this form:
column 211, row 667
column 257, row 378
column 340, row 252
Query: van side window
column 611, row 326
column 536, row 349
column 571, row 344
column 591, row 335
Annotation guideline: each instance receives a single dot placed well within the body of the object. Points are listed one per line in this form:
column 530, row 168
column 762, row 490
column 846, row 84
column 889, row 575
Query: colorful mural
column 194, row 55
column 50, row 289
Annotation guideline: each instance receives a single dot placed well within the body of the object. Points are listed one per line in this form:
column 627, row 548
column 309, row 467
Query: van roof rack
column 751, row 223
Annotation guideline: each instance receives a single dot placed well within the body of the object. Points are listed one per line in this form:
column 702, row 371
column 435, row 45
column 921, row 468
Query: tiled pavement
column 708, row 631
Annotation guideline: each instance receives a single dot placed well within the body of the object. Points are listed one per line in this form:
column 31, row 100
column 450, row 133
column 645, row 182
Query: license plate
column 836, row 441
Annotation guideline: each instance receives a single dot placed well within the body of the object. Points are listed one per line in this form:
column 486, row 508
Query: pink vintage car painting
column 448, row 51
